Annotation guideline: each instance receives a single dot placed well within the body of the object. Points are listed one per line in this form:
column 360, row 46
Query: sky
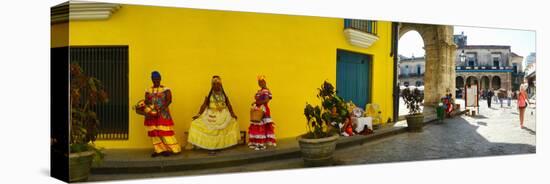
column 521, row 42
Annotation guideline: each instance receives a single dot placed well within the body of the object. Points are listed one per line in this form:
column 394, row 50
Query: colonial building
column 411, row 71
column 188, row 46
column 490, row 66
column 530, row 73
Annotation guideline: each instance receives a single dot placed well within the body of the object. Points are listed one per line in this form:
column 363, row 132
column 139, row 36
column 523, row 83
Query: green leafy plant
column 325, row 121
column 86, row 92
column 413, row 99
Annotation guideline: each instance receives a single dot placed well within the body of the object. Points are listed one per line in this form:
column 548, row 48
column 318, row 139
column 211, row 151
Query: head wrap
column 216, row 79
column 155, row 75
column 261, row 78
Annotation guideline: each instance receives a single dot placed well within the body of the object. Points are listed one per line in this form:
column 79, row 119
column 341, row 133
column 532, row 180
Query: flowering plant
column 325, row 121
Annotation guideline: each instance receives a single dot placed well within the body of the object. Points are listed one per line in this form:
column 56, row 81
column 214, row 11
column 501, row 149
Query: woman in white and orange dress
column 158, row 122
column 262, row 133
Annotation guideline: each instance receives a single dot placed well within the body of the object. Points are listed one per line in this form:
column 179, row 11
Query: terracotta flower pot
column 415, row 122
column 318, row 152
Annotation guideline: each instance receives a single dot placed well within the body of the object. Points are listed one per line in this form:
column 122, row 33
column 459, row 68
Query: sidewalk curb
column 157, row 166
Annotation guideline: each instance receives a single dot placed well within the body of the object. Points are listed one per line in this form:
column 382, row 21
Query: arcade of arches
column 440, row 49
column 485, row 80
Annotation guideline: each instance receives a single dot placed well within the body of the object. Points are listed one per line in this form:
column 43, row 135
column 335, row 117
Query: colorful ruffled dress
column 215, row 128
column 161, row 127
column 262, row 132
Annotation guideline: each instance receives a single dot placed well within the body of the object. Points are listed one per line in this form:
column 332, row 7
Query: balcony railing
column 360, row 33
column 485, row 68
column 367, row 26
column 411, row 75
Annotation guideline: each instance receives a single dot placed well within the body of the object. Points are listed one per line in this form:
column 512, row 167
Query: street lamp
column 462, row 57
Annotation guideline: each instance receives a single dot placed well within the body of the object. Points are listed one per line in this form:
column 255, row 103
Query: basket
column 256, row 114
column 140, row 107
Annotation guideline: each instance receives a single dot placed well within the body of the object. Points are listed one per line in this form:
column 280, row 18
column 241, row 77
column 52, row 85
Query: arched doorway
column 471, row 80
column 439, row 74
column 459, row 82
column 495, row 82
column 484, row 82
column 440, row 49
column 411, row 60
column 459, row 86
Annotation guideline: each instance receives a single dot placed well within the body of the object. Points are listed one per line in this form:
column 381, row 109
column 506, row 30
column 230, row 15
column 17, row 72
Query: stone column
column 431, row 75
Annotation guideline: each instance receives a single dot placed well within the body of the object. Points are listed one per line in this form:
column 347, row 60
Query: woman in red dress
column 262, row 133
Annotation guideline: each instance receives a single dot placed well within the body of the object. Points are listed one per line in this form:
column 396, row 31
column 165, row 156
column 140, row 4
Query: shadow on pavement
column 532, row 132
column 481, row 123
column 480, row 117
column 455, row 138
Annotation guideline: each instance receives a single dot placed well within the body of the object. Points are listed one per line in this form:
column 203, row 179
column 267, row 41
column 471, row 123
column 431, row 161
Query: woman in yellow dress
column 215, row 127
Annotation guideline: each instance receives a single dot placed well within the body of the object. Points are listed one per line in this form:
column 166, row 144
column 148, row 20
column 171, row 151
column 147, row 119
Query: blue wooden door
column 353, row 77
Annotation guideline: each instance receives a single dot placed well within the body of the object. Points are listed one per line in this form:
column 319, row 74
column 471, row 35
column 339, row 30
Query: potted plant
column 85, row 93
column 324, row 125
column 415, row 118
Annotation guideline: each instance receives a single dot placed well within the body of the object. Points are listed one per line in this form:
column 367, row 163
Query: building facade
column 189, row 46
column 491, row 67
column 411, row 71
column 531, row 73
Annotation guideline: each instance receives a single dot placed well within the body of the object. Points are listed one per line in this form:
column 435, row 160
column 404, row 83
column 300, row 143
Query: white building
column 411, row 71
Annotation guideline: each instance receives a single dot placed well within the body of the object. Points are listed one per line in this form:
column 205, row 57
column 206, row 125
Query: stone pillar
column 431, row 75
column 440, row 65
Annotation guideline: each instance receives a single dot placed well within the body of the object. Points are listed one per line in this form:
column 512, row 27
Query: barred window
column 109, row 64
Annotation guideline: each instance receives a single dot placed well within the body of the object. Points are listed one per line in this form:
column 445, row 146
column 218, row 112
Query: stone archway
column 485, row 82
column 440, row 49
column 495, row 82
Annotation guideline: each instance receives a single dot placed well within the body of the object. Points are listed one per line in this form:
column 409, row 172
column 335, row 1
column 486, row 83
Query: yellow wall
column 59, row 35
column 188, row 46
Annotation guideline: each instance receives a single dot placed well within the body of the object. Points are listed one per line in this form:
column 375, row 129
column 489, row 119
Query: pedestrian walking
column 509, row 97
column 500, row 97
column 489, row 98
column 523, row 101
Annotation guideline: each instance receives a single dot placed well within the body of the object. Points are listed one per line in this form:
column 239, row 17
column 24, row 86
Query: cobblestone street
column 495, row 131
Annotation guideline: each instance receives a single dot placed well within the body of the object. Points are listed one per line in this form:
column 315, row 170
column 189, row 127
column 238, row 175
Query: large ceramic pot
column 79, row 165
column 318, row 152
column 415, row 122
